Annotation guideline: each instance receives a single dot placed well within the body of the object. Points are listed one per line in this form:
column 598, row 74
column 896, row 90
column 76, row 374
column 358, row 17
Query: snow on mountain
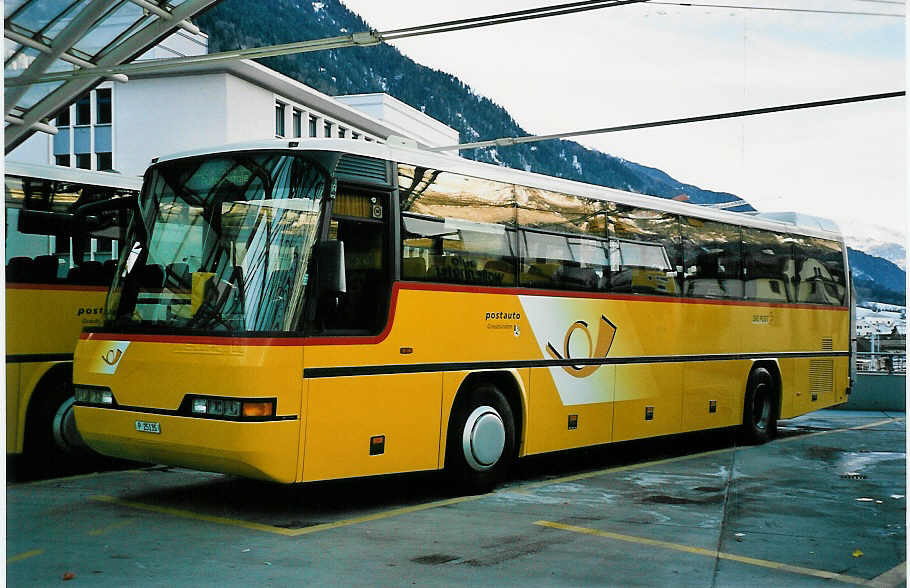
column 877, row 240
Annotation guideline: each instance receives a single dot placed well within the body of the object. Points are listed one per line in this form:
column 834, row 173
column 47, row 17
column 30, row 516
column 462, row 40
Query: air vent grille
column 827, row 344
column 362, row 168
column 821, row 376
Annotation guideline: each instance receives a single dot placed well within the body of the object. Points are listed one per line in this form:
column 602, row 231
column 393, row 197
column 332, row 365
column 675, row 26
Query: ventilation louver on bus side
column 821, row 377
column 362, row 169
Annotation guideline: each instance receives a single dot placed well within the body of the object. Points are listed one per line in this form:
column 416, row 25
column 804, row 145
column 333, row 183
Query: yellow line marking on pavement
column 524, row 488
column 109, row 528
column 280, row 530
column 429, row 505
column 21, row 556
column 709, row 553
column 892, row 578
column 856, row 428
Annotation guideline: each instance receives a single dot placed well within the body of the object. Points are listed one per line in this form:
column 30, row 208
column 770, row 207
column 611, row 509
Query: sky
column 640, row 63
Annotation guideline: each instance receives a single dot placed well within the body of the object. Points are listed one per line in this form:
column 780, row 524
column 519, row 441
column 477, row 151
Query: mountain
column 877, row 279
column 233, row 24
column 440, row 95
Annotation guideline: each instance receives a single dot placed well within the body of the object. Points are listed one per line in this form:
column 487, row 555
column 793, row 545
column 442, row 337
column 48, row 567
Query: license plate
column 147, row 427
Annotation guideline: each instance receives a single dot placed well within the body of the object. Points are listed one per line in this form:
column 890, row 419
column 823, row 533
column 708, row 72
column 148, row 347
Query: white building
column 122, row 126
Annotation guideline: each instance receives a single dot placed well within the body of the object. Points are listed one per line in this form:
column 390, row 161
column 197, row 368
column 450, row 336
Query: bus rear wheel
column 480, row 444
column 760, row 410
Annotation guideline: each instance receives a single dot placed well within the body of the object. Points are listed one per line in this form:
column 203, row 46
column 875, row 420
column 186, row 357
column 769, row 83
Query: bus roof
column 75, row 175
column 782, row 221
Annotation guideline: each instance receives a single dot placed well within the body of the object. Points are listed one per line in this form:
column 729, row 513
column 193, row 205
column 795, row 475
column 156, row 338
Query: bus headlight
column 93, row 395
column 231, row 408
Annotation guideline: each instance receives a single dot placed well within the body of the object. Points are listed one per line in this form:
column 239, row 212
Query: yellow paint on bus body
column 42, row 323
column 447, row 329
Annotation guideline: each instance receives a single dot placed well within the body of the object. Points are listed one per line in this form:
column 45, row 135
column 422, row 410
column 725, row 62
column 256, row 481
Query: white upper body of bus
column 777, row 221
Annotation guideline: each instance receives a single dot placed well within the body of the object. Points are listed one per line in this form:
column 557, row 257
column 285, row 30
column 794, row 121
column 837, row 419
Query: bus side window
column 768, row 266
column 819, row 271
column 713, row 259
column 563, row 262
column 457, row 251
column 649, row 248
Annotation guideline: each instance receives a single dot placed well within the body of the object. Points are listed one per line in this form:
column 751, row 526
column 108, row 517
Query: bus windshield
column 222, row 243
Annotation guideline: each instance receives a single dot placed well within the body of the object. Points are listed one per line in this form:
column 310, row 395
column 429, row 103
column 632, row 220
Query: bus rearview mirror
column 330, row 267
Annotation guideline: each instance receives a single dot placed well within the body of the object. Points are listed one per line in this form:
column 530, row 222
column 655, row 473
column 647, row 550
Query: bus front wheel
column 760, row 410
column 481, row 440
column 52, row 440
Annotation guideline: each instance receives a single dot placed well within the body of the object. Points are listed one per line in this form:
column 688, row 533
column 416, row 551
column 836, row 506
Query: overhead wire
column 507, row 141
column 361, row 39
column 778, row 9
column 504, row 18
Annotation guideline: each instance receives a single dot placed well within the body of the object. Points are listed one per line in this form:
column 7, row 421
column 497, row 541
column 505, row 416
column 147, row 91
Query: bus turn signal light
column 258, row 409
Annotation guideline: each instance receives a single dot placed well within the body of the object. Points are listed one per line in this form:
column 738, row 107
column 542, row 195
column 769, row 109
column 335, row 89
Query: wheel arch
column 774, row 369
column 40, row 385
column 509, row 383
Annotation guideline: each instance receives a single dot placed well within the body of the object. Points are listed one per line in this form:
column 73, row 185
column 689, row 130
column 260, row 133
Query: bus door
column 364, row 418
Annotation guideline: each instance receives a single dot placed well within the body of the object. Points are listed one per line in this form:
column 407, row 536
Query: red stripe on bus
column 29, row 286
column 254, row 340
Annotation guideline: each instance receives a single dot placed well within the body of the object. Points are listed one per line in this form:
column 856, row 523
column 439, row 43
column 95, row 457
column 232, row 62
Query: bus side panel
column 722, row 382
column 791, row 394
column 345, row 413
column 549, row 426
column 42, row 319
column 709, row 329
column 13, row 440
column 648, row 401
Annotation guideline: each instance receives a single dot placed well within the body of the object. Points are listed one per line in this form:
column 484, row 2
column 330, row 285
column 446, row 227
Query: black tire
column 480, row 445
column 52, row 443
column 760, row 410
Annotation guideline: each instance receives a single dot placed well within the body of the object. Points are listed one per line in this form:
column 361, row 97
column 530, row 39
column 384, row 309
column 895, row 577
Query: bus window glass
column 819, row 271
column 646, row 250
column 563, row 262
column 564, row 213
column 768, row 266
column 713, row 259
column 439, row 194
column 39, row 253
column 457, row 251
column 223, row 244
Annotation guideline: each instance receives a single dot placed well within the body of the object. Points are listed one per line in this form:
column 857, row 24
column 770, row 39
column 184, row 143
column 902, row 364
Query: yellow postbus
column 314, row 310
column 57, row 277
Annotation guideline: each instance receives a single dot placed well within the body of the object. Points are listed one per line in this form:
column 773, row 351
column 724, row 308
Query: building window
column 63, row 160
column 328, row 129
column 355, row 136
column 312, row 126
column 84, row 160
column 279, row 119
column 105, row 161
column 342, row 132
column 298, row 123
column 63, row 119
column 84, row 110
column 103, row 106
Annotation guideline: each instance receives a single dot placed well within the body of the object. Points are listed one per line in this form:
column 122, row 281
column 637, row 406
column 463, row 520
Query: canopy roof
column 53, row 36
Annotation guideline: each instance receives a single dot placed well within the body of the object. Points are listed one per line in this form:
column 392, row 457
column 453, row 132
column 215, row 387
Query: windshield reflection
column 222, row 244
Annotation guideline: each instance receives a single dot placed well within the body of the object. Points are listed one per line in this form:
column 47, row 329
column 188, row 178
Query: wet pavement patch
column 434, row 559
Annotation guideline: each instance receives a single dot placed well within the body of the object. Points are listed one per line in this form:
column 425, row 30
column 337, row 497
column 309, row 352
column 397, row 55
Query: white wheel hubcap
column 484, row 438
